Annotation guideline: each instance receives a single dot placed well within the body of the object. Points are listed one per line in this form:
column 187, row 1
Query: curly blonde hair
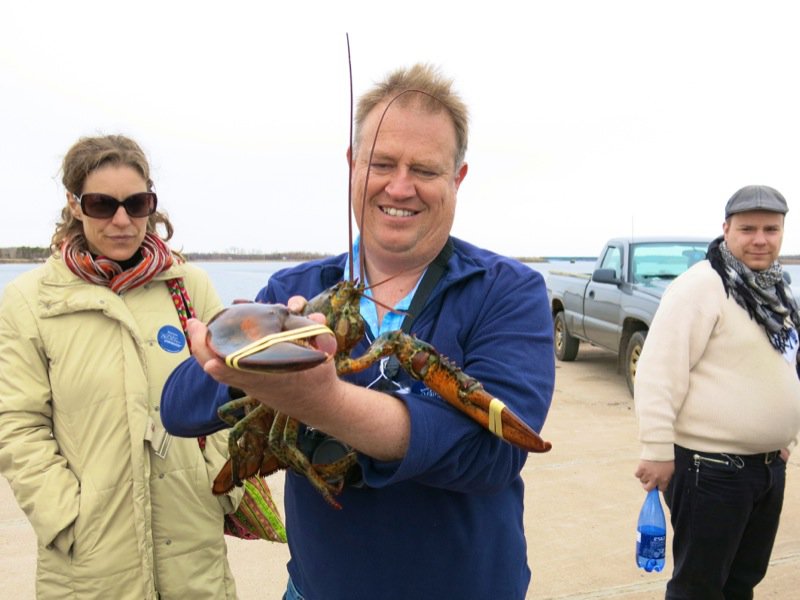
column 89, row 154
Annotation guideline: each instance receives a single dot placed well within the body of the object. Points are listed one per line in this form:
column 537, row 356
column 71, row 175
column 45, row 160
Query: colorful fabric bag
column 257, row 516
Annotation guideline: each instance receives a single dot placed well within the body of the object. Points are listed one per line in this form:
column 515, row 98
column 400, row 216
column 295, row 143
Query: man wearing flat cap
column 717, row 396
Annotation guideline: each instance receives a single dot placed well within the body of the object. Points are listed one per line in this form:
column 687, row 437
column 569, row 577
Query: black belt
column 762, row 458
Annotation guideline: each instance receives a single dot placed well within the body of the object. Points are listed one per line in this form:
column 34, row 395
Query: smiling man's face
column 410, row 203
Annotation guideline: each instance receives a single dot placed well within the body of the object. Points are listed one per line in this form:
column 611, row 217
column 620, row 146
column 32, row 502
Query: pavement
column 581, row 506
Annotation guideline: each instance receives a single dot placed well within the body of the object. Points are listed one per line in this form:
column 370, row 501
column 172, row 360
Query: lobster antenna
column 350, row 184
column 350, row 166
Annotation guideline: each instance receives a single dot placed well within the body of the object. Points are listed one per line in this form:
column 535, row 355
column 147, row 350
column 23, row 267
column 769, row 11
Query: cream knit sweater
column 709, row 379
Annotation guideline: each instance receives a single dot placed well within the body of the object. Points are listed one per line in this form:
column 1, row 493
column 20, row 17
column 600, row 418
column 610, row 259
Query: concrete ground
column 582, row 503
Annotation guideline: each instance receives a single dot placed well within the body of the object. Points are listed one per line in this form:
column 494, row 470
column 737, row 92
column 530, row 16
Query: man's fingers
column 296, row 304
column 197, row 340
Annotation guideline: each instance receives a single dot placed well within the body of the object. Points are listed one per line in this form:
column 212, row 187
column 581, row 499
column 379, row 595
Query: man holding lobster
column 434, row 506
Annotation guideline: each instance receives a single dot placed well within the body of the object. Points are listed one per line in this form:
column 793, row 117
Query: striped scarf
column 763, row 294
column 156, row 258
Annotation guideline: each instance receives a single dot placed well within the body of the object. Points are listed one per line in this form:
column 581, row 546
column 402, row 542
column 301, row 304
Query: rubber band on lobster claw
column 265, row 338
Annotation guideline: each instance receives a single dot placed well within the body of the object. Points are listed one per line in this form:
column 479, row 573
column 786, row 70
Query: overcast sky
column 589, row 119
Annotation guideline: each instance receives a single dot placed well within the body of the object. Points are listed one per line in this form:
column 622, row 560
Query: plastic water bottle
column 651, row 534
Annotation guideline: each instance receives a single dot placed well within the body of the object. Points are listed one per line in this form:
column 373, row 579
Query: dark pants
column 724, row 511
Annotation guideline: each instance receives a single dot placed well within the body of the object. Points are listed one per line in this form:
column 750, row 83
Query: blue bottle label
column 651, row 542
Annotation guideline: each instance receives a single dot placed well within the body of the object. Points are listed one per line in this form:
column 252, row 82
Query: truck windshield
column 664, row 260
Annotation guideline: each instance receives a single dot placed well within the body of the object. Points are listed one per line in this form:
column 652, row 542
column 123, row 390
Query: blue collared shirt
column 392, row 321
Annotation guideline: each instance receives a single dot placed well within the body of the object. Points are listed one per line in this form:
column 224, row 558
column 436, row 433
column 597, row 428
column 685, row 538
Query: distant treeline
column 24, row 254
column 273, row 256
column 39, row 254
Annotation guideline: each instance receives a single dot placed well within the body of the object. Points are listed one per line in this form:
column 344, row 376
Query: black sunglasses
column 103, row 206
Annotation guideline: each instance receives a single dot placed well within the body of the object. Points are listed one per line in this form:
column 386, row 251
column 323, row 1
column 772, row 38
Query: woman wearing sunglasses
column 120, row 509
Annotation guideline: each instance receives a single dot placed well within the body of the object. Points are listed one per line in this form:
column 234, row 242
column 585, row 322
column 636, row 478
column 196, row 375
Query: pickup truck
column 613, row 306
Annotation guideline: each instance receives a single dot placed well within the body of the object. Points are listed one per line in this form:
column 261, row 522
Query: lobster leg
column 245, row 461
column 227, row 411
column 283, row 444
column 333, row 472
column 252, row 455
column 423, row 362
column 263, row 442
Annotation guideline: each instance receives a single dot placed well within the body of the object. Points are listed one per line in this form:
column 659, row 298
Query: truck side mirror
column 606, row 276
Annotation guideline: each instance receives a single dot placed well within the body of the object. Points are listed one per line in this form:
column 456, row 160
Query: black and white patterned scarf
column 763, row 294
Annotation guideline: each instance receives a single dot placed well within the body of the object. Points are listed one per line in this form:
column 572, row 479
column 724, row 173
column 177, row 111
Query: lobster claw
column 265, row 338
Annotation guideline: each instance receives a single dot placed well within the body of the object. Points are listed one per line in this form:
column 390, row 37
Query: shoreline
column 300, row 257
column 191, row 257
column 289, row 257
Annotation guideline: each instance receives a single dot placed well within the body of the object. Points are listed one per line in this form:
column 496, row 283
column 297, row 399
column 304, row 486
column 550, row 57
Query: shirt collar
column 392, row 321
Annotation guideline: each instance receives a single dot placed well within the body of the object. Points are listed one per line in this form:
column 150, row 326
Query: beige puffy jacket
column 81, row 372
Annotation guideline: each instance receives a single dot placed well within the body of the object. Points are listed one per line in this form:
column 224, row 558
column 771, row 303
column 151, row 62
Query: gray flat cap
column 756, row 197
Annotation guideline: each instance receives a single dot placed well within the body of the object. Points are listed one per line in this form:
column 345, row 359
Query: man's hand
column 285, row 392
column 654, row 474
column 372, row 422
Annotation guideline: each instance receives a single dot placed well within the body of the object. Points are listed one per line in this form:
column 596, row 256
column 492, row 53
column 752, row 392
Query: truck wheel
column 632, row 354
column 566, row 345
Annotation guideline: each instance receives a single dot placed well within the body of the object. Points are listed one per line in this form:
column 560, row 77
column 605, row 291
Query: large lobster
column 268, row 338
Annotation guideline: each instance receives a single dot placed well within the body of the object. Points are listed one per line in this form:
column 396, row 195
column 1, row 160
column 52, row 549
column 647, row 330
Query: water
column 236, row 280
column 10, row 271
column 241, row 280
column 651, row 534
